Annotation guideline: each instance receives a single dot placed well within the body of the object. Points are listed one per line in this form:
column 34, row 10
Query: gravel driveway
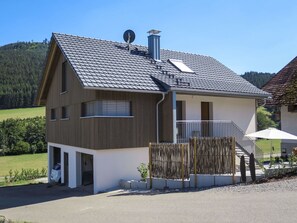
column 269, row 202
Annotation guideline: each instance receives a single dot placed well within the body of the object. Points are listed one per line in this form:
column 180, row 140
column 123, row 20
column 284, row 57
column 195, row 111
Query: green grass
column 265, row 145
column 22, row 113
column 18, row 183
column 33, row 161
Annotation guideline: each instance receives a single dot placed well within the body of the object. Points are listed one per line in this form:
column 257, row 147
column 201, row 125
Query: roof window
column 179, row 64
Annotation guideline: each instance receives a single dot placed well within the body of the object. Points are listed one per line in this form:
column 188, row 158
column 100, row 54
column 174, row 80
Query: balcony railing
column 216, row 128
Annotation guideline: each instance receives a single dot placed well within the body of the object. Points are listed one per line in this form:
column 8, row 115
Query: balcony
column 217, row 128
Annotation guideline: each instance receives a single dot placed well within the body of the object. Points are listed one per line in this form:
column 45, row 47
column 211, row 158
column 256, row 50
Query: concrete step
column 239, row 153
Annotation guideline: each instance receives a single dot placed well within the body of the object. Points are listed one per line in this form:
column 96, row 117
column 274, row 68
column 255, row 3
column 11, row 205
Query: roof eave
column 49, row 60
column 221, row 93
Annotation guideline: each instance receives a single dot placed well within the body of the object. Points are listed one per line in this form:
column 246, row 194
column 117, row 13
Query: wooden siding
column 166, row 119
column 99, row 132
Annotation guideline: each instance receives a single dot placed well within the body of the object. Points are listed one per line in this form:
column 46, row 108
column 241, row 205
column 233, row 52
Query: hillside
column 21, row 113
column 257, row 78
column 20, row 68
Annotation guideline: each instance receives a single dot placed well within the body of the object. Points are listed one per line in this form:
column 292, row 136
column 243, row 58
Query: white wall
column 115, row 164
column 288, row 122
column 241, row 111
column 109, row 165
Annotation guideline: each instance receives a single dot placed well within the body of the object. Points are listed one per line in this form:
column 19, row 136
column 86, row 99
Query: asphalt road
column 270, row 202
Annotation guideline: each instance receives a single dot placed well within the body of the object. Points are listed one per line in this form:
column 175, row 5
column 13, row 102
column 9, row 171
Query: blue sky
column 244, row 35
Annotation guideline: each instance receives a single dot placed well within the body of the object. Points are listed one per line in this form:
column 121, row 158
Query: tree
column 257, row 78
column 21, row 65
column 264, row 120
column 19, row 136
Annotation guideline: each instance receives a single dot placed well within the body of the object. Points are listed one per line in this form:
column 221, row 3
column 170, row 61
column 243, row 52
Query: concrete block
column 125, row 184
column 178, row 184
column 223, row 180
column 138, row 185
column 192, row 180
column 159, row 183
column 237, row 179
column 203, row 180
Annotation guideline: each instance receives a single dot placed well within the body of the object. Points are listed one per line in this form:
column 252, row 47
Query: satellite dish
column 129, row 36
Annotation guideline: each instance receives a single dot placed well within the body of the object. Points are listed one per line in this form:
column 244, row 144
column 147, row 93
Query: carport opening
column 87, row 169
column 66, row 169
column 56, row 155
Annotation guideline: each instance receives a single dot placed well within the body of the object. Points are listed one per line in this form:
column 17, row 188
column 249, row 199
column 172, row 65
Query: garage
column 87, row 169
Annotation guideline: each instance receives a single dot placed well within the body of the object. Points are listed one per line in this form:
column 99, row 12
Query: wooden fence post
column 150, row 165
column 233, row 160
column 195, row 160
column 182, row 158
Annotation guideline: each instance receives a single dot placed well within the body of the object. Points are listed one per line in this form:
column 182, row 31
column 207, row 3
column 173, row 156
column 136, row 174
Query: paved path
column 270, row 202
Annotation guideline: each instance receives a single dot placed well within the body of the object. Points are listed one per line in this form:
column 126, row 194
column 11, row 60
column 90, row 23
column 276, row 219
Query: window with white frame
column 114, row 108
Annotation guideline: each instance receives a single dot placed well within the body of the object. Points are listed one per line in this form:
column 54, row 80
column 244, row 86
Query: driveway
column 269, row 202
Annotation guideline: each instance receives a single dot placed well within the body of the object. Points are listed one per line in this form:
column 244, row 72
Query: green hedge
column 22, row 136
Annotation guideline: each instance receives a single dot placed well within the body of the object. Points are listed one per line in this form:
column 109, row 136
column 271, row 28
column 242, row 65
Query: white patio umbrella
column 272, row 133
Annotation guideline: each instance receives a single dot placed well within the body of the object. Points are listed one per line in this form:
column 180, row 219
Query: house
column 284, row 97
column 105, row 101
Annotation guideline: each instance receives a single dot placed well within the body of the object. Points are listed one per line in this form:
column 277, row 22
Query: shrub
column 25, row 174
column 252, row 167
column 264, row 120
column 17, row 134
column 143, row 170
column 242, row 169
column 41, row 148
column 22, row 147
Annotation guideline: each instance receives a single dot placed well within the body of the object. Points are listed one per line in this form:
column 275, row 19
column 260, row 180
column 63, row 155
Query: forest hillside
column 21, row 65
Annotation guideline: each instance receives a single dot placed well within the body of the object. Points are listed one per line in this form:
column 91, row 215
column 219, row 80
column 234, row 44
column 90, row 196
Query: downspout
column 157, row 115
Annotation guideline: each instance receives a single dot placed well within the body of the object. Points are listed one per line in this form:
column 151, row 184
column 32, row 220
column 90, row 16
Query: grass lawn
column 34, row 161
column 265, row 145
column 22, row 113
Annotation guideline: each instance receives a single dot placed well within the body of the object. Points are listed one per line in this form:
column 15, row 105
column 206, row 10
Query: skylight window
column 179, row 64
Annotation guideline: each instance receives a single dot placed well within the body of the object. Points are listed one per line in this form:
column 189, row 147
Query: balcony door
column 206, row 115
column 180, row 115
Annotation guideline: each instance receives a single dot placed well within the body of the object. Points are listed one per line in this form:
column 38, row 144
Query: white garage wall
column 109, row 165
column 115, row 164
column 241, row 111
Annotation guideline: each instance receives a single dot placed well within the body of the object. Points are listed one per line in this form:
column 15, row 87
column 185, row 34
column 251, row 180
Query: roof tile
column 107, row 64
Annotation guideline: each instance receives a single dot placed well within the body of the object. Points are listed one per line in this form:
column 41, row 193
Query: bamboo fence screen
column 205, row 155
column 169, row 161
column 211, row 155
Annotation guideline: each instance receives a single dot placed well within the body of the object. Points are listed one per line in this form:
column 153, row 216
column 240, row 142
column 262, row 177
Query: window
column 292, row 108
column 65, row 113
column 179, row 64
column 106, row 108
column 64, row 77
column 53, row 114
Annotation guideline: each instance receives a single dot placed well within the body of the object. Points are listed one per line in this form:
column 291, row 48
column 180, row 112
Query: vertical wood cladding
column 166, row 119
column 99, row 132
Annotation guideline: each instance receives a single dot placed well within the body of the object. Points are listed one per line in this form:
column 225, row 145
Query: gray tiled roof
column 106, row 64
